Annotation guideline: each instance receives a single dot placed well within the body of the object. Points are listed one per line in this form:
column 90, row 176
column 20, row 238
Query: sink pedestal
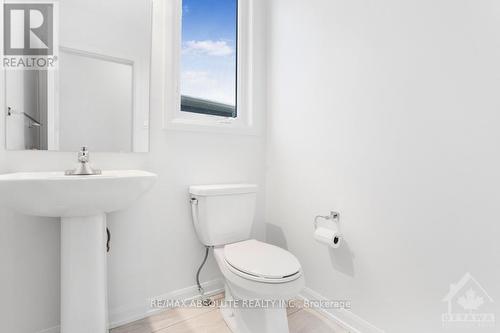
column 84, row 304
column 84, row 292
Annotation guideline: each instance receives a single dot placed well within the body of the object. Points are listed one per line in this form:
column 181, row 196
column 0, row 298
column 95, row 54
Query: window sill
column 219, row 126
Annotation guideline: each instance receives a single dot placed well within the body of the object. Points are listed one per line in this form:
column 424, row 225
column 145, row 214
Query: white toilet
column 253, row 270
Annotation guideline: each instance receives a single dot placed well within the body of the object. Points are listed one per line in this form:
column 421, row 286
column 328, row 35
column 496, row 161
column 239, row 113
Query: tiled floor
column 209, row 320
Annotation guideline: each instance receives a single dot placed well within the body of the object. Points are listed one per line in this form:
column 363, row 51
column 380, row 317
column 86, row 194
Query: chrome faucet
column 83, row 168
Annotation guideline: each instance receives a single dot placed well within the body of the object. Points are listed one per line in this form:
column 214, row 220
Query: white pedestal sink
column 82, row 203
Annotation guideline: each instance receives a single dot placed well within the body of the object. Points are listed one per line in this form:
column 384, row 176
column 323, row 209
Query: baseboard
column 127, row 314
column 55, row 329
column 345, row 318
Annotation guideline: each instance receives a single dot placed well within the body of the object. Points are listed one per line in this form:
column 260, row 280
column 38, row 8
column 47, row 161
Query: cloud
column 208, row 47
column 206, row 85
column 197, row 77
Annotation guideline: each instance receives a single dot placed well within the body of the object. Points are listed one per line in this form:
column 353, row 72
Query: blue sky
column 209, row 49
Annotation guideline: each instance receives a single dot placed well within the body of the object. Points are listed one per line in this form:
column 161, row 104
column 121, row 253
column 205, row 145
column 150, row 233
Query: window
column 209, row 69
column 208, row 73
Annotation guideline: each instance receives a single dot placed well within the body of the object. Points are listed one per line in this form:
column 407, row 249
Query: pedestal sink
column 82, row 203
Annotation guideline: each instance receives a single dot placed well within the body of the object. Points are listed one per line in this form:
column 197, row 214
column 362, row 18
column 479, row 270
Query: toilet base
column 251, row 320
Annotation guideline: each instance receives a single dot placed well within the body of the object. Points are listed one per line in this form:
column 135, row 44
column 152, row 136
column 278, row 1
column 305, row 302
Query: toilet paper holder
column 334, row 216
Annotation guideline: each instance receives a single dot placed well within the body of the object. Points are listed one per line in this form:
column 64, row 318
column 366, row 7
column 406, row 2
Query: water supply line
column 205, row 300
column 108, row 241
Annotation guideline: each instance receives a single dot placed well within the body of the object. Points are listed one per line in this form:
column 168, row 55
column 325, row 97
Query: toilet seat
column 261, row 262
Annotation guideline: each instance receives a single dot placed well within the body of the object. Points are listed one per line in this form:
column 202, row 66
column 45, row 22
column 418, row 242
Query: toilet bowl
column 259, row 278
column 249, row 282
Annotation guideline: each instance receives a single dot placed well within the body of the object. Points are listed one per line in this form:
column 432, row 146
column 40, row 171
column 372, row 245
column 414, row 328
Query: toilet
column 253, row 271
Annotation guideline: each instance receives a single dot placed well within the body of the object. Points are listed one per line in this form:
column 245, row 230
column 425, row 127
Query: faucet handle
column 83, row 155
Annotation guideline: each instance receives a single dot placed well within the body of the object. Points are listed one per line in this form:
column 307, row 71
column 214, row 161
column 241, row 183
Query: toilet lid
column 261, row 260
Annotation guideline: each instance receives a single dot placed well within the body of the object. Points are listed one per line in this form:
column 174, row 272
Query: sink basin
column 82, row 203
column 53, row 194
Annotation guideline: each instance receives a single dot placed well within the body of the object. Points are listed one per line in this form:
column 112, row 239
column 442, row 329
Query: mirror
column 98, row 94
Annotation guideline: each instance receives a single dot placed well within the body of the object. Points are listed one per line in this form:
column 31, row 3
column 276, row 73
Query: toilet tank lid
column 225, row 189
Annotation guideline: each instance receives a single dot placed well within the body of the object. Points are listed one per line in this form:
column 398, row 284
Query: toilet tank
column 223, row 214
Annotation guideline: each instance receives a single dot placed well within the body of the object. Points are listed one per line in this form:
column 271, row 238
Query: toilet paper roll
column 330, row 237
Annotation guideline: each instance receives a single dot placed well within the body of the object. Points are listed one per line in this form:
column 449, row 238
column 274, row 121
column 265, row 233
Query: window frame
column 174, row 118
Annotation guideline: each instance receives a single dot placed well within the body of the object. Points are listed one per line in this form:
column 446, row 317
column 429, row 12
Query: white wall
column 154, row 246
column 388, row 112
